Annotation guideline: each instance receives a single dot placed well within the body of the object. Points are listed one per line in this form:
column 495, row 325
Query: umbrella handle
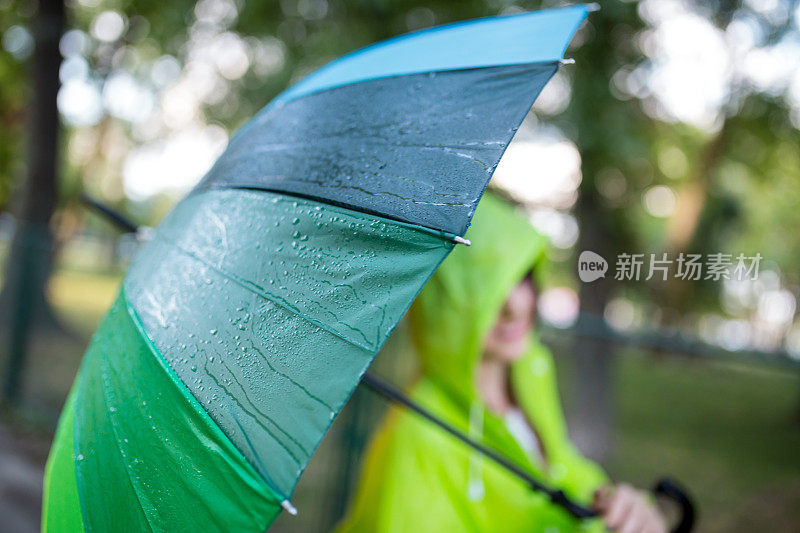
column 671, row 489
column 666, row 487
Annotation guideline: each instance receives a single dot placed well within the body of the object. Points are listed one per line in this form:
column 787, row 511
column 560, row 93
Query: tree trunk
column 592, row 419
column 30, row 258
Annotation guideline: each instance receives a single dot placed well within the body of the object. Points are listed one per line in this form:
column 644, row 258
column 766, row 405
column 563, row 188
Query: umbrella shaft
column 395, row 395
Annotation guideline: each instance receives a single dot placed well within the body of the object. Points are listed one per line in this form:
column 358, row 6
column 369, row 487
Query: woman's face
column 507, row 340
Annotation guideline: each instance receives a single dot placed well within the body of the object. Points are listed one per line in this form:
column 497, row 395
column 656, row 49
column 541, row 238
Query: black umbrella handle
column 665, row 487
column 671, row 489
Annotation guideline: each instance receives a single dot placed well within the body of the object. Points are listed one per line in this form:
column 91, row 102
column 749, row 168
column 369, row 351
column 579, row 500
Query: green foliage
column 12, row 99
column 748, row 186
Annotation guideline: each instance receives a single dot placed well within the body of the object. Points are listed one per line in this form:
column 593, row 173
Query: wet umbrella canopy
column 246, row 322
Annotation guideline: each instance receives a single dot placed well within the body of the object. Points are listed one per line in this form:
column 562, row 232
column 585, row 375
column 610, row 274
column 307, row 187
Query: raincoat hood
column 457, row 309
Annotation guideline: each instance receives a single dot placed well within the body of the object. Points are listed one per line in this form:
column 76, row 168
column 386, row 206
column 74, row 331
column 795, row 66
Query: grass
column 81, row 298
column 730, row 432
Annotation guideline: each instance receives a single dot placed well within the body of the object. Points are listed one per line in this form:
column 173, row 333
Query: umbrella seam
column 193, row 401
column 444, row 235
column 255, row 289
column 280, row 103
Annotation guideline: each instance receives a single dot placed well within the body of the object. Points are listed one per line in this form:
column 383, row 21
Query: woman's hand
column 627, row 510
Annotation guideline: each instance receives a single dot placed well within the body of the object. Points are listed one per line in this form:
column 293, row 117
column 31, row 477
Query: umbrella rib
column 258, row 463
column 256, row 289
column 285, row 503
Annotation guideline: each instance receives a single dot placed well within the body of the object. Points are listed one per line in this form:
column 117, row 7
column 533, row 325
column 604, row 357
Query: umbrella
column 245, row 323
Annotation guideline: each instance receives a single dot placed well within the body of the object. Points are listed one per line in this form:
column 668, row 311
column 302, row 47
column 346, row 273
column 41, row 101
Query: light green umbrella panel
column 296, row 277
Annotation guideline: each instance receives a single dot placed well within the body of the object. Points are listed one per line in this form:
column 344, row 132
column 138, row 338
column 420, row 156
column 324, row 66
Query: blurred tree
column 22, row 300
column 140, row 74
column 17, row 47
column 613, row 136
column 725, row 188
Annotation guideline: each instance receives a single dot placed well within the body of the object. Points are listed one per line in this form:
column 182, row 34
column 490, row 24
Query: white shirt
column 517, row 424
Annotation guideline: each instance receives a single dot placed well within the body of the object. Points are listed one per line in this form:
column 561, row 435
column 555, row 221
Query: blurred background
column 676, row 131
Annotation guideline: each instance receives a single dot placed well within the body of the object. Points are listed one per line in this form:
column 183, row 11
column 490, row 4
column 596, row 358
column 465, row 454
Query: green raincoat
column 417, row 478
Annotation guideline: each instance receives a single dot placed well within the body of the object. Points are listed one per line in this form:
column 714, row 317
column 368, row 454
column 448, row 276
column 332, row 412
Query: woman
column 484, row 372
